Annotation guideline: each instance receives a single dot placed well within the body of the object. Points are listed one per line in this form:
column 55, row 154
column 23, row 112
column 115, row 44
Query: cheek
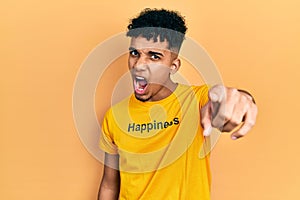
column 131, row 62
column 160, row 74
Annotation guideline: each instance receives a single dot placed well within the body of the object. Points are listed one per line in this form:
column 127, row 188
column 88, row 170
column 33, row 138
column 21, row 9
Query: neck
column 166, row 91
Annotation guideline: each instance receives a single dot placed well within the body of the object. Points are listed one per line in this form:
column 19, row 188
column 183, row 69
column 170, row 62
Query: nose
column 140, row 64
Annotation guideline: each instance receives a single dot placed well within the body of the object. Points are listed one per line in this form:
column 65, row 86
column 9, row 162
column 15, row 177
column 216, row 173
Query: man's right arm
column 110, row 184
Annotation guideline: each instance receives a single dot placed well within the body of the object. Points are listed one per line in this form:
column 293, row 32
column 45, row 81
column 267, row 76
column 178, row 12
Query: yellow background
column 255, row 45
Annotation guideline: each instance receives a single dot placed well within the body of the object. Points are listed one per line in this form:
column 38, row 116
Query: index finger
column 206, row 119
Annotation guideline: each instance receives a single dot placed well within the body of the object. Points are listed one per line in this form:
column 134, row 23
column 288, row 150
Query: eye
column 134, row 53
column 155, row 57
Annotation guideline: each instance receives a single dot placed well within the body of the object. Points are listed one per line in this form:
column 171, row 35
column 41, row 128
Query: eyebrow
column 132, row 49
column 155, row 53
column 150, row 52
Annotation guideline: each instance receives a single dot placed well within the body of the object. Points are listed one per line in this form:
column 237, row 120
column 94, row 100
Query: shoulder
column 118, row 108
column 200, row 88
column 121, row 104
column 196, row 89
column 200, row 92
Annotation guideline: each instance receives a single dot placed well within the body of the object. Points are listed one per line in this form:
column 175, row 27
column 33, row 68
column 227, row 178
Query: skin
column 228, row 109
column 110, row 184
column 155, row 62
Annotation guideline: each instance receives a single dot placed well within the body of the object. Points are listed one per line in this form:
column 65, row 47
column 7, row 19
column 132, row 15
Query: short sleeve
column 202, row 94
column 106, row 142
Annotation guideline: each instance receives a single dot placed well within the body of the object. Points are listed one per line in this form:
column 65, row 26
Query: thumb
column 206, row 119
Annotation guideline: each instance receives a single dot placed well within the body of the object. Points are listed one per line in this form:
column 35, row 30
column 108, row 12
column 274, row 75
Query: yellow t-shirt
column 159, row 144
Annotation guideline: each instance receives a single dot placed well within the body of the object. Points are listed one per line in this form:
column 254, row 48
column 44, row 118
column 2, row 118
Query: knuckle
column 217, row 123
column 231, row 95
column 245, row 99
column 232, row 91
column 235, row 122
column 251, row 123
column 220, row 117
column 226, row 115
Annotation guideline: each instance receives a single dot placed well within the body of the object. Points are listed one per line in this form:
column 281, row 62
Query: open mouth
column 140, row 84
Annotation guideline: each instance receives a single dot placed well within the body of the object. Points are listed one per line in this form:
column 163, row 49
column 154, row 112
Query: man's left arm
column 227, row 109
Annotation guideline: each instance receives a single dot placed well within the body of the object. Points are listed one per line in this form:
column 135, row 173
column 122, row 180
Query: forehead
column 143, row 43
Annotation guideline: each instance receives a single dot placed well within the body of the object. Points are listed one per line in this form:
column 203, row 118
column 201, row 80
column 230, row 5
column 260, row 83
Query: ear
column 175, row 65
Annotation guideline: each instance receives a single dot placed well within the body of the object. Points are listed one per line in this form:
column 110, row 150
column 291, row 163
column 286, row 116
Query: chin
column 142, row 98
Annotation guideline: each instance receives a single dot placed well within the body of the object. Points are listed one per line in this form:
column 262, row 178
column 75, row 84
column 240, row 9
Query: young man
column 152, row 139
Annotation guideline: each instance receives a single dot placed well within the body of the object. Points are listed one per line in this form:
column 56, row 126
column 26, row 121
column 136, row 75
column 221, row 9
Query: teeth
column 140, row 78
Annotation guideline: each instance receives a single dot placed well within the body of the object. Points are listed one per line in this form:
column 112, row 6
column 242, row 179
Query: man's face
column 150, row 64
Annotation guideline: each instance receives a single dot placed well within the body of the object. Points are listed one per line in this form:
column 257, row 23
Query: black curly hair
column 151, row 23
